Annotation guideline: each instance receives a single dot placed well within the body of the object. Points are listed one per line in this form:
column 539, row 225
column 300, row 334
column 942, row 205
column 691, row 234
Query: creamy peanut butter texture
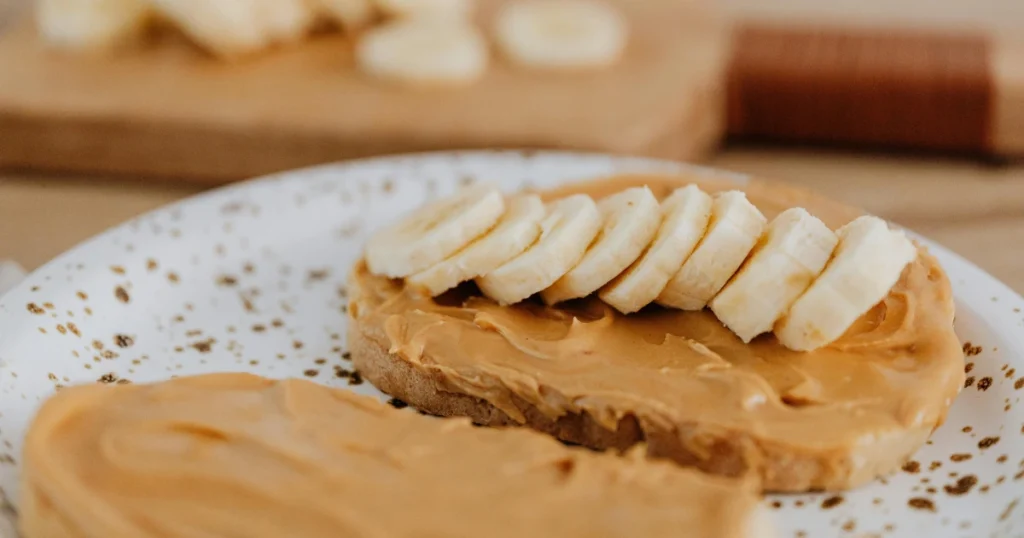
column 239, row 455
column 897, row 370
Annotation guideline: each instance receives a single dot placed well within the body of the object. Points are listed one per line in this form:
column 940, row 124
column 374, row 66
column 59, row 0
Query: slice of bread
column 822, row 434
column 240, row 455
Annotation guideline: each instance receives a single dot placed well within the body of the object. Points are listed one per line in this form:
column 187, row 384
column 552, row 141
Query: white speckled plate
column 250, row 278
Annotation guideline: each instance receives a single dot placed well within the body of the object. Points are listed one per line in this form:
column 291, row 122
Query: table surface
column 976, row 209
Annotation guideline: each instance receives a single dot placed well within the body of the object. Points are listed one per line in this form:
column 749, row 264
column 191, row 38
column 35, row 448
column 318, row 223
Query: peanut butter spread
column 897, row 370
column 239, row 455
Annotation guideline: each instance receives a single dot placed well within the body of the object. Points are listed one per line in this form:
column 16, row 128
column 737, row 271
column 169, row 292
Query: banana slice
column 349, row 14
column 285, row 21
column 629, row 221
column 791, row 254
column 226, row 28
column 867, row 263
column 735, row 227
column 434, row 232
column 569, row 228
column 561, row 34
column 685, row 215
column 424, row 51
column 515, row 232
column 90, row 24
column 426, row 8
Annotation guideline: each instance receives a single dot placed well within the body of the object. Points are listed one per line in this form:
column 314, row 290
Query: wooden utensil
column 929, row 89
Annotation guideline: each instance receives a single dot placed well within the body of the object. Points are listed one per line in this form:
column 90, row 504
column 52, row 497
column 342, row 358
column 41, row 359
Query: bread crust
column 780, row 467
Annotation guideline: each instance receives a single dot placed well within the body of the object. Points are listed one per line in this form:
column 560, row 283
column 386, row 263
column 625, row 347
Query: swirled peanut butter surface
column 242, row 456
column 897, row 369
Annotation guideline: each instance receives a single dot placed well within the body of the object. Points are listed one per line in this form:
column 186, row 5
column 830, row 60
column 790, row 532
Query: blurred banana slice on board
column 424, row 51
column 91, row 24
column 230, row 28
column 425, row 8
column 561, row 34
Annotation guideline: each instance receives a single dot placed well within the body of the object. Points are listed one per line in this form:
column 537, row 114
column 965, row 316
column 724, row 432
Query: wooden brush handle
column 916, row 89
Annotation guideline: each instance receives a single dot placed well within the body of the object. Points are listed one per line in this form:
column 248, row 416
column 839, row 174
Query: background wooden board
column 165, row 109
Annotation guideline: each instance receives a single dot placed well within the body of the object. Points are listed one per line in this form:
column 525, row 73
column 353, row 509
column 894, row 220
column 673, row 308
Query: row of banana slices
column 793, row 275
column 422, row 41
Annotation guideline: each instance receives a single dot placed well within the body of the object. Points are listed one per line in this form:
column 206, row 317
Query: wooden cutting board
column 165, row 109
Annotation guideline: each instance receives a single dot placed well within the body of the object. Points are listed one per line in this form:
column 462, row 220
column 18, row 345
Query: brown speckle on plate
column 920, row 503
column 962, row 486
column 967, row 429
column 152, row 265
column 971, row 350
column 968, row 382
column 912, row 466
column 934, row 465
column 123, row 341
column 987, row 442
column 62, row 329
column 960, row 457
column 82, row 295
column 117, row 269
column 831, row 502
column 35, row 309
column 227, row 280
column 984, row 383
column 203, row 346
column 173, row 277
column 122, row 295
column 318, row 275
column 311, row 372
